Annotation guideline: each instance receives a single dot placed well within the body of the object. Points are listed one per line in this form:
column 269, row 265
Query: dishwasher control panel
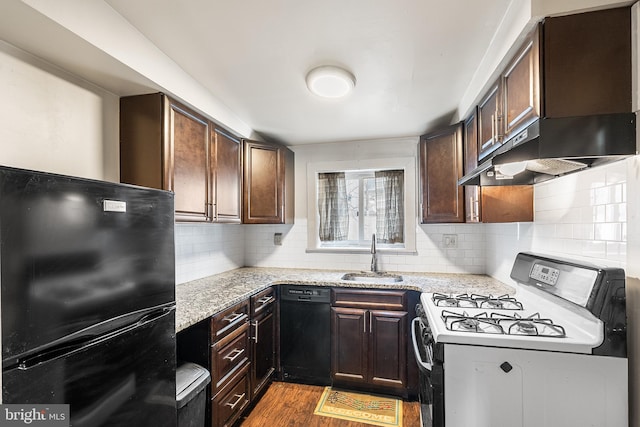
column 305, row 293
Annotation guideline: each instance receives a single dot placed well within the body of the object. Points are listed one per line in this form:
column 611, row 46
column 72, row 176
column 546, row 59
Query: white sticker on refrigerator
column 114, row 206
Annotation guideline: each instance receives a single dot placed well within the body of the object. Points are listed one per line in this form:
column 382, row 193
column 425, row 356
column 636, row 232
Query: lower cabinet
column 228, row 404
column 369, row 339
column 230, row 391
column 369, row 347
column 237, row 346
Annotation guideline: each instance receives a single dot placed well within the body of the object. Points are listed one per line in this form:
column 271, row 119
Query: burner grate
column 488, row 302
column 480, row 323
column 533, row 325
column 500, row 323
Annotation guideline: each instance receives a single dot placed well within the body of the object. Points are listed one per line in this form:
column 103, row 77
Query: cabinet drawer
column 225, row 322
column 229, row 404
column 228, row 355
column 369, row 298
column 261, row 301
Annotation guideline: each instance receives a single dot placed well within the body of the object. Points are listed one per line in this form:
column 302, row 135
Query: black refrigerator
column 88, row 298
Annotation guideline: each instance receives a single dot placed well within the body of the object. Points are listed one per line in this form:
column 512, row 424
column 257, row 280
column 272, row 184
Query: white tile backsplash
column 583, row 216
column 431, row 255
column 206, row 249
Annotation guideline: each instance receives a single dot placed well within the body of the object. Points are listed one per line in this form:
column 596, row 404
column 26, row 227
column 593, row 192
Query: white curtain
column 390, row 206
column 333, row 207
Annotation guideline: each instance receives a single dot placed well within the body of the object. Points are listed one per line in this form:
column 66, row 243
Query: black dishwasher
column 305, row 325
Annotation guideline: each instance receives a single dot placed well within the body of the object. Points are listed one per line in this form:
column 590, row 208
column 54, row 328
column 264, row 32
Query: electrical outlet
column 450, row 240
column 277, row 239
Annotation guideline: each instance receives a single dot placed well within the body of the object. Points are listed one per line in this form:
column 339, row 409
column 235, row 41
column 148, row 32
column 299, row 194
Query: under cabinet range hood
column 551, row 147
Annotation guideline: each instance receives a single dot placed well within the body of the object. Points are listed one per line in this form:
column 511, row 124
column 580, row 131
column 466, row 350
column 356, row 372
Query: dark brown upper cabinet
column 268, row 184
column 511, row 203
column 587, row 63
column 489, row 121
column 521, row 86
column 442, row 199
column 166, row 145
column 472, row 192
column 568, row 66
column 226, row 176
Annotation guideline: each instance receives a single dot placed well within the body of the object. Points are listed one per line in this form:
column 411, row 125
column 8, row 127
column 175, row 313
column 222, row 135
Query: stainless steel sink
column 367, row 277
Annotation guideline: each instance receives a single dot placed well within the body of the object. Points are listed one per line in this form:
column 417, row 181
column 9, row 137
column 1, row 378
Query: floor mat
column 363, row 408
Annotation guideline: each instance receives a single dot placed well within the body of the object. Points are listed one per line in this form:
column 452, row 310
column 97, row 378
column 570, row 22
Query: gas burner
column 480, row 323
column 532, row 325
column 503, row 302
column 462, row 300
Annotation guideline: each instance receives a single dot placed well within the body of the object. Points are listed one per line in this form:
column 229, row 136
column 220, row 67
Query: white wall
column 53, row 121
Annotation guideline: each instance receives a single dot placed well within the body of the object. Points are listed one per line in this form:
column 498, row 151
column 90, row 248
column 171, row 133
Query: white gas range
column 553, row 354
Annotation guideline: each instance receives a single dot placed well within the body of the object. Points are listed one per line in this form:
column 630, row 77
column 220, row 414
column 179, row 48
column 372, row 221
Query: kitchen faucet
column 374, row 257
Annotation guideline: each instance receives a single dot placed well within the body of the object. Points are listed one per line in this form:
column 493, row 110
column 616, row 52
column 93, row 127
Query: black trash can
column 191, row 383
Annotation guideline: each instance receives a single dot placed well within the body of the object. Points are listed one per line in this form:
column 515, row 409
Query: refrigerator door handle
column 70, row 347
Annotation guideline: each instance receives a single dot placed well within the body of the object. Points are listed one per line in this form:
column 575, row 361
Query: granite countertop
column 199, row 299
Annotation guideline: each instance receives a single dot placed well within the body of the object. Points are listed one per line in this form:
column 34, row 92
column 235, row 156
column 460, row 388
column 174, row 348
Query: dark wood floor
column 286, row 404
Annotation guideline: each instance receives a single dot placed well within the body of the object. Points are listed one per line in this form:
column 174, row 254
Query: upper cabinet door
column 268, row 184
column 490, row 121
column 472, row 192
column 521, row 86
column 189, row 137
column 440, row 169
column 227, row 176
column 587, row 63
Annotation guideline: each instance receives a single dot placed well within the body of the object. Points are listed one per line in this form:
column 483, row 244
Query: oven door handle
column 425, row 365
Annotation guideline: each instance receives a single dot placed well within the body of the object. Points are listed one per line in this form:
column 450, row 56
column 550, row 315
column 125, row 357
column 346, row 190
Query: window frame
column 407, row 164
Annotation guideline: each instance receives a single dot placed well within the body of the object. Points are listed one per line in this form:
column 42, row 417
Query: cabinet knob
column 506, row 367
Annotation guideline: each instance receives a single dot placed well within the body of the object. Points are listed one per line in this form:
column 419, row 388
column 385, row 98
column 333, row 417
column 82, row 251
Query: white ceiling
column 413, row 59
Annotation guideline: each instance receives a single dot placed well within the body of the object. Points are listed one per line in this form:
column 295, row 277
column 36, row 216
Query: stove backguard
column 600, row 290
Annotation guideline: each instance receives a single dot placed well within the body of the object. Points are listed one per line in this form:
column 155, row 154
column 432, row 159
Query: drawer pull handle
column 234, row 404
column 232, row 317
column 266, row 300
column 236, row 353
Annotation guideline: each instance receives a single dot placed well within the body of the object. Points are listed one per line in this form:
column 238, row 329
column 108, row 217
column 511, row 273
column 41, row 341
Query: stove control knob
column 506, row 367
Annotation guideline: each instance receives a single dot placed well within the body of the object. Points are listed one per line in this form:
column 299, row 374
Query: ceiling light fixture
column 330, row 82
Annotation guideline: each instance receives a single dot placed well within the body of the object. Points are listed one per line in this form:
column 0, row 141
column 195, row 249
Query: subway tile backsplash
column 431, row 254
column 206, row 249
column 582, row 215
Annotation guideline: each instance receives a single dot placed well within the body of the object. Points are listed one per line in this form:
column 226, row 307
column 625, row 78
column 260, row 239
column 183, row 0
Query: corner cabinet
column 510, row 203
column 369, row 339
column 442, row 199
column 268, row 184
column 472, row 208
column 166, row 145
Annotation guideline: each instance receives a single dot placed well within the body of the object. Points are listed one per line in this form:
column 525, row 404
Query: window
column 350, row 205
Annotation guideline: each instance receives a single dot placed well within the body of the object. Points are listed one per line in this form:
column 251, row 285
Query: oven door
column 431, row 390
